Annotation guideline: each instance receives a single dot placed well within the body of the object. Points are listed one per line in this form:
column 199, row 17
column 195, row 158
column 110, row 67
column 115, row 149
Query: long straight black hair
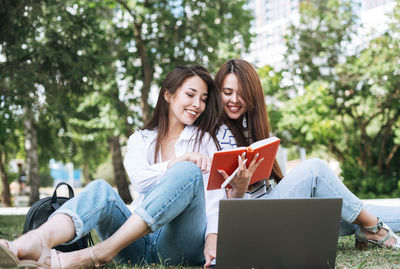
column 206, row 122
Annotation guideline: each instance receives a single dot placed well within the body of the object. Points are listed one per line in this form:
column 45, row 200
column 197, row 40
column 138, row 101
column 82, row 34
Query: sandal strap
column 387, row 237
column 43, row 256
column 8, row 254
column 374, row 229
column 55, row 260
column 93, row 258
column 10, row 246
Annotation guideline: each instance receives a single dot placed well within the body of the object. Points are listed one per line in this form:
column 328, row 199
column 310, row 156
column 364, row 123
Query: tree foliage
column 51, row 51
column 159, row 35
column 349, row 99
column 76, row 75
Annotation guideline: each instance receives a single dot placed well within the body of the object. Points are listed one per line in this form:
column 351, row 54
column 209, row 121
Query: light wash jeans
column 174, row 210
column 314, row 178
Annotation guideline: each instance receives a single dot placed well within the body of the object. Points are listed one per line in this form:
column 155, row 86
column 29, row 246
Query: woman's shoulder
column 143, row 135
column 225, row 137
column 223, row 128
column 224, row 132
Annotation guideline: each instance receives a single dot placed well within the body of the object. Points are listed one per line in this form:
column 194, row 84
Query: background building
column 272, row 18
column 65, row 173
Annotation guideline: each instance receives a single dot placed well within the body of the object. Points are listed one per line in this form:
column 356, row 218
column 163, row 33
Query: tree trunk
column 387, row 133
column 147, row 72
column 391, row 154
column 119, row 170
column 147, row 68
column 5, row 195
column 86, row 174
column 32, row 158
column 336, row 151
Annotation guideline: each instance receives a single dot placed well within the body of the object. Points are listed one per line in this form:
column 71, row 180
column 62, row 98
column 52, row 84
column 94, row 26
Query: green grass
column 347, row 255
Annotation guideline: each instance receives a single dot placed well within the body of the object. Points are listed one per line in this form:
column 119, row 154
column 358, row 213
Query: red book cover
column 228, row 160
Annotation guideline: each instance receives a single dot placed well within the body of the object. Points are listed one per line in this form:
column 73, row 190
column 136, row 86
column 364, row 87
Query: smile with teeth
column 194, row 113
column 234, row 108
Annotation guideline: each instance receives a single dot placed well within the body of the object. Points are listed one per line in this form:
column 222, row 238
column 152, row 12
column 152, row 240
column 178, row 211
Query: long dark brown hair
column 206, row 122
column 251, row 91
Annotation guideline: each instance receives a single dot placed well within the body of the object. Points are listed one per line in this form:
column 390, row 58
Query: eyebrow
column 196, row 91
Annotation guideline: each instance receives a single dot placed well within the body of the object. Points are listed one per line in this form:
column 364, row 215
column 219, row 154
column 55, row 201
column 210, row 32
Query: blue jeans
column 174, row 210
column 314, row 178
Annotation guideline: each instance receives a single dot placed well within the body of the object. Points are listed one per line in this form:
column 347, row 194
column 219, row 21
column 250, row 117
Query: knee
column 315, row 163
column 188, row 171
column 100, row 186
column 98, row 183
column 318, row 167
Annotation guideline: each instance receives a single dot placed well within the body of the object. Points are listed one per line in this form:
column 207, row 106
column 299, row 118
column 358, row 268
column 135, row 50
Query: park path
column 24, row 210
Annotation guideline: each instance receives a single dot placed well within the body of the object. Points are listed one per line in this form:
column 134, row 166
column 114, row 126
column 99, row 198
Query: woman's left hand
column 210, row 249
column 241, row 181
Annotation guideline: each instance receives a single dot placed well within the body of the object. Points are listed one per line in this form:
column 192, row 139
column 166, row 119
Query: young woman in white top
column 245, row 121
column 166, row 162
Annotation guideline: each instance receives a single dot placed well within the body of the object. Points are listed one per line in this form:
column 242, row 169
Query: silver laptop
column 281, row 233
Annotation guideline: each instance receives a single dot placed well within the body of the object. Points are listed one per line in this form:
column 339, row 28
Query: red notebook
column 228, row 160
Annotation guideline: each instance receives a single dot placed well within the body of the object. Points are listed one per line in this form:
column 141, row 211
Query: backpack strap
column 54, row 201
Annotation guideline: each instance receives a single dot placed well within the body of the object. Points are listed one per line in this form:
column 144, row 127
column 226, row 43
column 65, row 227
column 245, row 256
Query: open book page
column 263, row 142
column 267, row 149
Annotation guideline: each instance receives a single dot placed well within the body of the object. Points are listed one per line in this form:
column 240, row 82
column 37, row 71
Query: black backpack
column 42, row 209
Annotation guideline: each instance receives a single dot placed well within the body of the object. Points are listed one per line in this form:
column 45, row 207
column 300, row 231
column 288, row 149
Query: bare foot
column 32, row 246
column 85, row 258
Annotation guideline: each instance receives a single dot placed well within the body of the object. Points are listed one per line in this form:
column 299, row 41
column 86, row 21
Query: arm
column 143, row 174
column 210, row 249
column 212, row 211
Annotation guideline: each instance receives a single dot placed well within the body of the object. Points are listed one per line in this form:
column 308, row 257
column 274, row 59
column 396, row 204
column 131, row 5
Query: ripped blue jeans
column 174, row 210
column 314, row 178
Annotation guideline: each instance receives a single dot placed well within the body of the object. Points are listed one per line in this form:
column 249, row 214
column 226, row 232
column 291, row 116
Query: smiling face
column 188, row 102
column 233, row 103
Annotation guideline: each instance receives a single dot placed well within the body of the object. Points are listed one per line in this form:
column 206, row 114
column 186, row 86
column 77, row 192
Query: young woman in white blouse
column 166, row 162
column 245, row 121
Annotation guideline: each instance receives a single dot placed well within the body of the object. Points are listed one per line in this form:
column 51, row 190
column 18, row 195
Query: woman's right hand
column 201, row 160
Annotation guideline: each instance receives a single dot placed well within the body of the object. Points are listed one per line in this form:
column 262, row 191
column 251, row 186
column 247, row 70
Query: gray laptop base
column 278, row 233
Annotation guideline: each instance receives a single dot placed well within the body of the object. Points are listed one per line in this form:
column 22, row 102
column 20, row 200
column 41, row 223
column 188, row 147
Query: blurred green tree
column 9, row 145
column 348, row 98
column 159, row 35
column 78, row 73
column 49, row 48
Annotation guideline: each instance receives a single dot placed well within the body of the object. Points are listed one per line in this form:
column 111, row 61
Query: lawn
column 347, row 256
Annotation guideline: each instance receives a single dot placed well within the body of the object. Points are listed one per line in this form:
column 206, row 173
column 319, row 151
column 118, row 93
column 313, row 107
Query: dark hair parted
column 250, row 89
column 206, row 122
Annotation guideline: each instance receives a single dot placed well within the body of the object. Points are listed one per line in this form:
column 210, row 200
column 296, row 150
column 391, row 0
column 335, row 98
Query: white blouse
column 145, row 174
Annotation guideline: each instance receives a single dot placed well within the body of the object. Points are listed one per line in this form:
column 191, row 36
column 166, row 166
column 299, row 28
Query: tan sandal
column 9, row 255
column 362, row 241
column 56, row 264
